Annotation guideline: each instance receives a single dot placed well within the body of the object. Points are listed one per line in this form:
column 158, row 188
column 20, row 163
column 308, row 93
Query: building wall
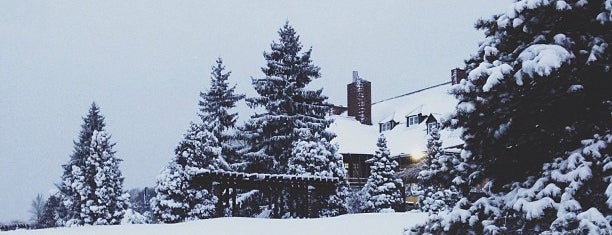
column 356, row 168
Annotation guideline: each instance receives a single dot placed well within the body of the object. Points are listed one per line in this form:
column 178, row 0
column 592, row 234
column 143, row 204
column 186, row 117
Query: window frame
column 412, row 120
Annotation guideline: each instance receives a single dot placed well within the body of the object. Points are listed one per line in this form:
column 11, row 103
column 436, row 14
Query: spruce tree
column 91, row 186
column 70, row 195
column 215, row 110
column 176, row 200
column 383, row 188
column 535, row 113
column 315, row 156
column 289, row 107
column 442, row 177
column 108, row 202
column 51, row 213
column 170, row 204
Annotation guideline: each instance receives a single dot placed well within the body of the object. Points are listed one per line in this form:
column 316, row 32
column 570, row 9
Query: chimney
column 359, row 98
column 457, row 74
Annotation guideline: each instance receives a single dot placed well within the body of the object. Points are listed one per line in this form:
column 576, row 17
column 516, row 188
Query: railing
column 355, row 181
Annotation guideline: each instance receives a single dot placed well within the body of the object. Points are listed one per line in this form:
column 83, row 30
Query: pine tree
column 535, row 113
column 310, row 156
column 70, row 184
column 176, row 201
column 442, row 177
column 108, row 202
column 51, row 213
column 215, row 105
column 315, row 156
column 383, row 188
column 91, row 186
column 290, row 107
column 170, row 205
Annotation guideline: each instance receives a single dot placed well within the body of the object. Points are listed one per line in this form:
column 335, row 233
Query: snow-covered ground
column 379, row 224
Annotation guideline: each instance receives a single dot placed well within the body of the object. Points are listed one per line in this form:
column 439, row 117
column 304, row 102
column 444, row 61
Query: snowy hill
column 381, row 223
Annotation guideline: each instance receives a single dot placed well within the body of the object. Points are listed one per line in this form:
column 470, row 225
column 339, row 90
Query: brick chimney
column 457, row 74
column 359, row 97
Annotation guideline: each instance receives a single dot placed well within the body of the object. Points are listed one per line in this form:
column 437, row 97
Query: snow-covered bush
column 133, row 217
column 356, row 201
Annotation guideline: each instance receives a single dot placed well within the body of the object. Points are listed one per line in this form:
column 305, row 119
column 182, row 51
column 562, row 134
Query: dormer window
column 431, row 126
column 412, row 120
column 385, row 126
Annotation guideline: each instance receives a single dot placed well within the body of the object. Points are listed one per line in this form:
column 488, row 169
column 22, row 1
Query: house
column 405, row 120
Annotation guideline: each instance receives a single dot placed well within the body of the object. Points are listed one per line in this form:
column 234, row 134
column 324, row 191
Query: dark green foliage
column 289, row 107
column 92, row 122
column 535, row 111
column 52, row 213
column 215, row 105
column 91, row 187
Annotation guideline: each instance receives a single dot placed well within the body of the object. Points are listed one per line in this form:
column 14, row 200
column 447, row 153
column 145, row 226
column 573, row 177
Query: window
column 413, row 120
column 431, row 125
column 386, row 126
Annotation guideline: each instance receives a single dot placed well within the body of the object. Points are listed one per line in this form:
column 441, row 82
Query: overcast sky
column 145, row 62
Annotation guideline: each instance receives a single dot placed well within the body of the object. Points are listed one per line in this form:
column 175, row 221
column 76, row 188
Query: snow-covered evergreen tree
column 315, row 156
column 69, row 184
column 311, row 156
column 170, row 205
column 107, row 201
column 215, row 110
column 176, row 201
column 383, row 188
column 442, row 177
column 289, row 107
column 92, row 185
column 535, row 113
column 52, row 212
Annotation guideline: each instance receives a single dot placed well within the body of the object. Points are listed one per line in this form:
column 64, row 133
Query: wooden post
column 217, row 191
column 234, row 207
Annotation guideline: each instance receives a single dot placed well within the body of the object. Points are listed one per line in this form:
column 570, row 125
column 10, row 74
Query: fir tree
column 442, row 177
column 70, row 195
column 51, row 214
column 315, row 156
column 176, row 201
column 383, row 188
column 215, row 105
column 289, row 107
column 108, row 202
column 535, row 111
column 170, row 204
column 91, row 186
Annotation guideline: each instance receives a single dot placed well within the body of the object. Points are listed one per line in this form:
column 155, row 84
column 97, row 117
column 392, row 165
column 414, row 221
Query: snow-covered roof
column 435, row 100
column 354, row 137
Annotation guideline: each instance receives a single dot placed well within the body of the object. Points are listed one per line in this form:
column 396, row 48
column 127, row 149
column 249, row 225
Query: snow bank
column 381, row 223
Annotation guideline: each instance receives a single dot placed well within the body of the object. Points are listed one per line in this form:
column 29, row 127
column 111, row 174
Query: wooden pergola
column 303, row 191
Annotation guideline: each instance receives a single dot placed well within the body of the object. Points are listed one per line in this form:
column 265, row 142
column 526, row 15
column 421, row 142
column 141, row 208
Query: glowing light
column 417, row 155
